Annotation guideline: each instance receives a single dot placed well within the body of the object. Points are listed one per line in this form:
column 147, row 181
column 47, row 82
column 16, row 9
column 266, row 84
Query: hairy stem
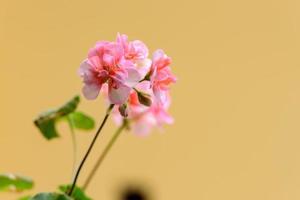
column 104, row 153
column 89, row 149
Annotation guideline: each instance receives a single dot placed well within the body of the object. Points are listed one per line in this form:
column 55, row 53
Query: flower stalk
column 69, row 193
column 74, row 143
column 104, row 153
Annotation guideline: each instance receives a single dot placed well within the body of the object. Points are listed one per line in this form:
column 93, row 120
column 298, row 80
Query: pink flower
column 125, row 75
column 106, row 64
column 160, row 75
column 142, row 118
column 134, row 50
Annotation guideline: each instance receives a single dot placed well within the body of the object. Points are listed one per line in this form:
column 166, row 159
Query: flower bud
column 123, row 110
column 147, row 77
column 144, row 98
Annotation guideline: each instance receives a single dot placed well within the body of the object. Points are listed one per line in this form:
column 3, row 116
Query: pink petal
column 120, row 95
column 108, row 59
column 122, row 39
column 87, row 72
column 143, row 66
column 95, row 62
column 84, row 68
column 164, row 117
column 138, row 49
column 160, row 95
column 133, row 77
column 91, row 91
column 143, row 126
column 158, row 54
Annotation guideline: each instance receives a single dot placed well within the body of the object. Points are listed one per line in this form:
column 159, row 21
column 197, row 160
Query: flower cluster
column 137, row 85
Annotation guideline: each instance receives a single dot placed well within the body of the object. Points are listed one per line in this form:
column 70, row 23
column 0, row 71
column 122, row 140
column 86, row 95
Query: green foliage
column 25, row 198
column 51, row 196
column 77, row 194
column 82, row 121
column 11, row 182
column 46, row 121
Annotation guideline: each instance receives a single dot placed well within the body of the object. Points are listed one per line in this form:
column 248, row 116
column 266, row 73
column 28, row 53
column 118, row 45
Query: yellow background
column 236, row 104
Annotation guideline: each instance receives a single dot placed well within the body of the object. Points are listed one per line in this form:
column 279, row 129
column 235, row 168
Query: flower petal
column 120, row 95
column 160, row 95
column 133, row 77
column 91, row 91
column 143, row 125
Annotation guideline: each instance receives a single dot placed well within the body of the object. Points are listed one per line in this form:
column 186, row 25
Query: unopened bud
column 123, row 110
column 144, row 98
column 147, row 77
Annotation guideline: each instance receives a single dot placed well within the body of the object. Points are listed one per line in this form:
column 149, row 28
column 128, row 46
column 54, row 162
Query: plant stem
column 104, row 153
column 89, row 149
column 74, row 143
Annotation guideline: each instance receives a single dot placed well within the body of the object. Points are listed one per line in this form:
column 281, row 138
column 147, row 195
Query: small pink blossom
column 160, row 75
column 134, row 50
column 106, row 64
column 142, row 118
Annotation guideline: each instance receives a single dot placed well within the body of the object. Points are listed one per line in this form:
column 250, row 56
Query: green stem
column 89, row 149
column 74, row 143
column 104, row 153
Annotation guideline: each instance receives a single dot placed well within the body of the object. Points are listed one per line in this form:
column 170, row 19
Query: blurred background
column 236, row 104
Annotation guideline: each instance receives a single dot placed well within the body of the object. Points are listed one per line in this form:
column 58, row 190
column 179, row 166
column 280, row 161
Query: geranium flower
column 160, row 75
column 127, row 77
column 106, row 63
column 135, row 51
column 143, row 118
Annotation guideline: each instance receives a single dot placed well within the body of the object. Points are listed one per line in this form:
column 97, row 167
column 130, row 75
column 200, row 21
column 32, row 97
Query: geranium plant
column 136, row 89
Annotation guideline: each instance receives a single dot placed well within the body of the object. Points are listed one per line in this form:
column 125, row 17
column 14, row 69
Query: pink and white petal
column 116, row 50
column 120, row 95
column 108, row 59
column 161, row 75
column 164, row 117
column 123, row 63
column 87, row 72
column 133, row 77
column 139, row 48
column 122, row 40
column 158, row 54
column 84, row 68
column 98, row 49
column 92, row 52
column 160, row 95
column 144, row 86
column 143, row 66
column 91, row 91
column 143, row 126
column 94, row 61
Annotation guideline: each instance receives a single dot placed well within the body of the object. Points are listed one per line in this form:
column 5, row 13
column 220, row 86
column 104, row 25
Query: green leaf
column 51, row 196
column 46, row 121
column 48, row 129
column 11, row 182
column 25, row 198
column 70, row 106
column 82, row 121
column 78, row 194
